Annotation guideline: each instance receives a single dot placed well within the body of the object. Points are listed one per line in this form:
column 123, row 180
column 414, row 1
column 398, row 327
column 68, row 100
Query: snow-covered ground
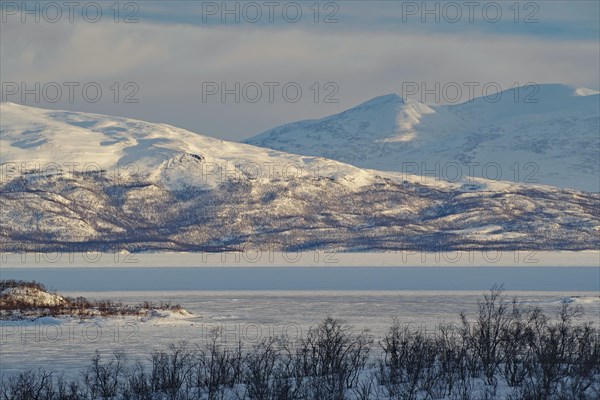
column 65, row 345
column 255, row 303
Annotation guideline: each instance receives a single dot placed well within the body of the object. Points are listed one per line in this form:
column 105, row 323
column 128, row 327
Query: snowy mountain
column 75, row 181
column 547, row 134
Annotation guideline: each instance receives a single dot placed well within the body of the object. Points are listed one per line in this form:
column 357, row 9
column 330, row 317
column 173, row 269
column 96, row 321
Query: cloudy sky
column 175, row 57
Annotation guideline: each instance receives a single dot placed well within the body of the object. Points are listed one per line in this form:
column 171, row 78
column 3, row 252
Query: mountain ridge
column 157, row 187
column 546, row 134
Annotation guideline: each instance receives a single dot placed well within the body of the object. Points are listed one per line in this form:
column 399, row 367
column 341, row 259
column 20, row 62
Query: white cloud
column 170, row 62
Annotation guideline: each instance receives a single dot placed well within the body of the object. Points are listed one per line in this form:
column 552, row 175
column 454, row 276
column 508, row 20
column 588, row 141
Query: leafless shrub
column 104, row 380
column 332, row 357
column 218, row 367
column 28, row 385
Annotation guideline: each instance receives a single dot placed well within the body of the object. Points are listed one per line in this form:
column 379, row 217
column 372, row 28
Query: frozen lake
column 250, row 303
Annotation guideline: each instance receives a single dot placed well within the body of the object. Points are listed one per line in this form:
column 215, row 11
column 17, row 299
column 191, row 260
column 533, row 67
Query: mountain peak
column 391, row 98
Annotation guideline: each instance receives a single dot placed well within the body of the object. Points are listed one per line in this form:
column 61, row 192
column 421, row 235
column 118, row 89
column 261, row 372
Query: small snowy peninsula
column 20, row 300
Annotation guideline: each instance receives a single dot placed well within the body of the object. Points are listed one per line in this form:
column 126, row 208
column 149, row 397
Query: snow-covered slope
column 45, row 139
column 547, row 134
column 77, row 181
